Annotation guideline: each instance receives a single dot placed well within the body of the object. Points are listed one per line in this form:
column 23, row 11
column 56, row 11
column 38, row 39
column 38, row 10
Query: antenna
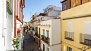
column 58, row 3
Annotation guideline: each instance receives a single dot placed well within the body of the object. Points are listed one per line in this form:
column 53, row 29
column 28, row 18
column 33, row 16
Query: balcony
column 69, row 36
column 45, row 39
column 85, row 39
column 38, row 35
column 78, row 11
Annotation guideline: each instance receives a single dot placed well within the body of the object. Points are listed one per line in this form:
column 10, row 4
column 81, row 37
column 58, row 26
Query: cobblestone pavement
column 30, row 45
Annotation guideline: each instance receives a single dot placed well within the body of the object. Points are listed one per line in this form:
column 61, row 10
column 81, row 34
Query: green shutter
column 9, row 10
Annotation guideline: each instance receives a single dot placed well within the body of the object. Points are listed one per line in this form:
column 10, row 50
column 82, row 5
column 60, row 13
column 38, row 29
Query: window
column 64, row 6
column 69, row 49
column 87, row 27
column 43, row 32
column 85, row 38
column 47, row 49
column 47, row 31
column 69, row 29
column 69, row 34
column 43, row 47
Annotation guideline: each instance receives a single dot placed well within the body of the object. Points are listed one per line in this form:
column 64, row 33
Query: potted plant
column 15, row 43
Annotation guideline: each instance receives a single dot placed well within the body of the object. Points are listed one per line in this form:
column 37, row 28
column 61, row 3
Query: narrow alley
column 31, row 45
column 45, row 25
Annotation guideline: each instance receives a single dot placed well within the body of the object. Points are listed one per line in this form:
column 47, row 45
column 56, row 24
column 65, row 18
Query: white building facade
column 7, row 26
column 51, row 30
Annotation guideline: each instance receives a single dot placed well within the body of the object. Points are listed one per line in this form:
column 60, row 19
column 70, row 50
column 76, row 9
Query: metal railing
column 38, row 35
column 85, row 39
column 45, row 39
column 69, row 35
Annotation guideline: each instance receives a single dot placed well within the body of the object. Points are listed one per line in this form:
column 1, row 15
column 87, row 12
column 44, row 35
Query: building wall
column 48, row 22
column 56, row 48
column 54, row 34
column 83, row 10
column 18, row 23
column 2, row 16
column 54, row 13
column 19, row 10
column 18, row 14
column 9, row 28
column 51, row 48
column 8, row 36
column 55, row 27
column 78, row 26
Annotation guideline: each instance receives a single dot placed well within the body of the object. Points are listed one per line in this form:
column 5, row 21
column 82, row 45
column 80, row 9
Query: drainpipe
column 14, row 18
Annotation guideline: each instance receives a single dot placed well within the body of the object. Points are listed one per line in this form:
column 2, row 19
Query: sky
column 36, row 6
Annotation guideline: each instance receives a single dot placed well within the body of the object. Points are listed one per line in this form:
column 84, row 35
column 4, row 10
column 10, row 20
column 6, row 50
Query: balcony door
column 43, row 47
column 87, row 29
column 39, row 43
column 39, row 32
column 87, row 32
column 69, row 25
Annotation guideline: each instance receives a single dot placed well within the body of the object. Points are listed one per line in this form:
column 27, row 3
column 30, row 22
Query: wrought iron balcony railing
column 38, row 35
column 69, row 35
column 85, row 39
column 45, row 39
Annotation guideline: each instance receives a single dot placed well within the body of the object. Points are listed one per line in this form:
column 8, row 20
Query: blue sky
column 36, row 6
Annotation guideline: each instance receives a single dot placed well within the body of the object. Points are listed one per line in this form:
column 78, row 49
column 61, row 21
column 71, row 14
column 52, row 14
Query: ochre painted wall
column 76, row 11
column 77, row 25
column 77, row 28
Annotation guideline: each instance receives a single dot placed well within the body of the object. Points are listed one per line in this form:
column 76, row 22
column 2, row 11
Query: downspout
column 14, row 18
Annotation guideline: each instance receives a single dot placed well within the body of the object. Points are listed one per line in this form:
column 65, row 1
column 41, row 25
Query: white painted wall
column 54, row 13
column 54, row 33
column 18, row 23
column 2, row 48
column 51, row 48
column 56, row 47
column 54, row 30
column 9, row 29
column 8, row 36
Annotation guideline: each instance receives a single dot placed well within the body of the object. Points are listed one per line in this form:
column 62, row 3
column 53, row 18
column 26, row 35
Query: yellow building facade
column 76, row 28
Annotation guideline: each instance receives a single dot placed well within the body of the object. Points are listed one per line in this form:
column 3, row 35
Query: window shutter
column 8, row 8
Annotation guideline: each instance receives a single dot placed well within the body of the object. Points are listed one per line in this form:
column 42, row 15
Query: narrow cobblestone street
column 30, row 45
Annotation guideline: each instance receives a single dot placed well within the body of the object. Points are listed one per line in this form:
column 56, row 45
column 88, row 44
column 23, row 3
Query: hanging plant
column 8, row 8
